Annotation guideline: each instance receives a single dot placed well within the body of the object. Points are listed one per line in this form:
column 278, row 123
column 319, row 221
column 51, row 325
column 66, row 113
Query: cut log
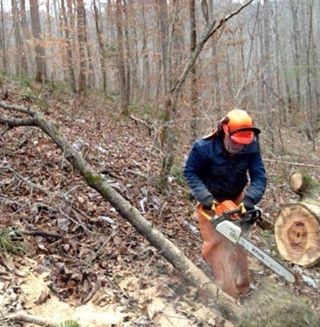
column 297, row 226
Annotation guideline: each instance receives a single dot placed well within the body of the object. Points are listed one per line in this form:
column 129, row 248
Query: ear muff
column 223, row 127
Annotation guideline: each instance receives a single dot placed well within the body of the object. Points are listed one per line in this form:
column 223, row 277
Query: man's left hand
column 246, row 205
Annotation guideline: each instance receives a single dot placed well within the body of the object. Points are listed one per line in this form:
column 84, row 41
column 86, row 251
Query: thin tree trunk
column 296, row 54
column 310, row 112
column 49, row 35
column 102, row 49
column 145, row 56
column 281, row 103
column 3, row 41
column 193, row 72
column 82, row 47
column 66, row 28
column 21, row 64
column 121, row 61
column 216, row 82
column 41, row 66
column 129, row 64
column 163, row 21
column 91, row 74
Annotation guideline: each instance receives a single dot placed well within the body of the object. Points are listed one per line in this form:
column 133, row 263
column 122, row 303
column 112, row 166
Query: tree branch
column 211, row 29
column 24, row 317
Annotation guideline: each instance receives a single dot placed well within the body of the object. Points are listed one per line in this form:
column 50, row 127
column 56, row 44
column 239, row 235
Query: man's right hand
column 209, row 204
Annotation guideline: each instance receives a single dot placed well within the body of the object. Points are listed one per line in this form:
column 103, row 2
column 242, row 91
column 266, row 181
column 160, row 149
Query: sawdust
column 56, row 311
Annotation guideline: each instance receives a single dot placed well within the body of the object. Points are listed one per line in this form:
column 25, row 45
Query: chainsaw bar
column 233, row 232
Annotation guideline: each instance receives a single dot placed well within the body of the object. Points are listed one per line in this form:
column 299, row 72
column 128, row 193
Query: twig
column 25, row 317
column 33, row 185
column 75, row 221
column 40, row 233
column 144, row 123
column 300, row 164
column 101, row 247
column 18, row 108
column 93, row 291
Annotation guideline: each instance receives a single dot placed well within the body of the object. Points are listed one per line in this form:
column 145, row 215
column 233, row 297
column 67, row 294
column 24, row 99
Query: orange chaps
column 228, row 261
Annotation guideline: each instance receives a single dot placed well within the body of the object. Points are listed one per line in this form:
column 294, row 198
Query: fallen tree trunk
column 297, row 226
column 223, row 303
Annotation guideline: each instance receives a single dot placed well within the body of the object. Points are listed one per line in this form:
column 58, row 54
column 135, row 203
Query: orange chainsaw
column 232, row 224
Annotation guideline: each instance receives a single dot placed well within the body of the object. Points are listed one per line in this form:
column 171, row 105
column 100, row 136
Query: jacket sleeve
column 194, row 165
column 258, row 179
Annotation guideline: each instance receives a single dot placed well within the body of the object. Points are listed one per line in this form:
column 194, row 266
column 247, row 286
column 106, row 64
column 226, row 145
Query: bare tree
column 294, row 6
column 193, row 72
column 102, row 48
column 3, row 41
column 121, row 61
column 21, row 65
column 82, row 46
column 41, row 67
column 66, row 29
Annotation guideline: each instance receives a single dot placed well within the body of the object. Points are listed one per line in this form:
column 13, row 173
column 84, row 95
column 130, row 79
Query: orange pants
column 228, row 261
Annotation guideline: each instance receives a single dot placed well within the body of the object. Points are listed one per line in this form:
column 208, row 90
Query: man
column 217, row 169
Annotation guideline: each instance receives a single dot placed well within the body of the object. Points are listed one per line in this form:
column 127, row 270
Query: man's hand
column 209, row 204
column 246, row 205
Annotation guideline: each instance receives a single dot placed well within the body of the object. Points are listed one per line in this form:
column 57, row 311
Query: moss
column 92, row 178
column 272, row 306
column 8, row 244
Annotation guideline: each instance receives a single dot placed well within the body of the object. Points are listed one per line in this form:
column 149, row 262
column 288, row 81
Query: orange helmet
column 238, row 125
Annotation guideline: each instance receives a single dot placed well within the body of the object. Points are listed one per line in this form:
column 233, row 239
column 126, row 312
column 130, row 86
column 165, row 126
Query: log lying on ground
column 297, row 226
column 222, row 302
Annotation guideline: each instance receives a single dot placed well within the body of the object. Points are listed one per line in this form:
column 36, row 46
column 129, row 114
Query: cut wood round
column 305, row 186
column 297, row 227
column 297, row 233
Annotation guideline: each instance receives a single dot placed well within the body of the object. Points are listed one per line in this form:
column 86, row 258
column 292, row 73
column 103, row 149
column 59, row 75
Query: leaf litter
column 87, row 263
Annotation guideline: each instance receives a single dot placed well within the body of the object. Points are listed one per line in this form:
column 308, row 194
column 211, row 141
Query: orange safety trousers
column 228, row 261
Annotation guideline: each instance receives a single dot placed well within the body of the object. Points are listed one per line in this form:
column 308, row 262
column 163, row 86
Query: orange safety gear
column 228, row 261
column 239, row 126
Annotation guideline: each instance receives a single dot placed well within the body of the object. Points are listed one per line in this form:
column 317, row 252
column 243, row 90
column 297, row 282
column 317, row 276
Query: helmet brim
column 244, row 135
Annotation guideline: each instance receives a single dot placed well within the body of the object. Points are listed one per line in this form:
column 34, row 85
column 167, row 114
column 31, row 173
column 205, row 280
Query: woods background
column 265, row 60
column 131, row 83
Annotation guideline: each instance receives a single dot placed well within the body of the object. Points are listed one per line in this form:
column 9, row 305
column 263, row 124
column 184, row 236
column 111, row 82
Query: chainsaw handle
column 247, row 219
column 250, row 217
column 227, row 215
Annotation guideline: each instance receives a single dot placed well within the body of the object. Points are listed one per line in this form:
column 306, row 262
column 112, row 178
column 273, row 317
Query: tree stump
column 297, row 226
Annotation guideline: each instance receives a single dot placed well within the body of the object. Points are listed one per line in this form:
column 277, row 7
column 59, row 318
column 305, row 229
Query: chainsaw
column 233, row 224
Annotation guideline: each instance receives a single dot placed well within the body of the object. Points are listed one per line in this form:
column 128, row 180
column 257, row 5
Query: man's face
column 231, row 146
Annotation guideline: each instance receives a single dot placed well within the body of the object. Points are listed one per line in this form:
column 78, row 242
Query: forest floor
column 81, row 260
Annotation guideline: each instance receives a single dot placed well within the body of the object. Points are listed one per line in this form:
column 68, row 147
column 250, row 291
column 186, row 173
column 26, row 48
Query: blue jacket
column 211, row 171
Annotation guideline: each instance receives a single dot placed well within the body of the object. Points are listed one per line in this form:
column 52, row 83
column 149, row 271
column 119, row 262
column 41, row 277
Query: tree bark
column 194, row 91
column 3, row 41
column 297, row 226
column 82, row 46
column 102, row 49
column 21, row 64
column 66, row 28
column 41, row 66
column 121, row 61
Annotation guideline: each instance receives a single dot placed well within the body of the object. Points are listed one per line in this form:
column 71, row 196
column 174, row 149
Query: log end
column 297, row 235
